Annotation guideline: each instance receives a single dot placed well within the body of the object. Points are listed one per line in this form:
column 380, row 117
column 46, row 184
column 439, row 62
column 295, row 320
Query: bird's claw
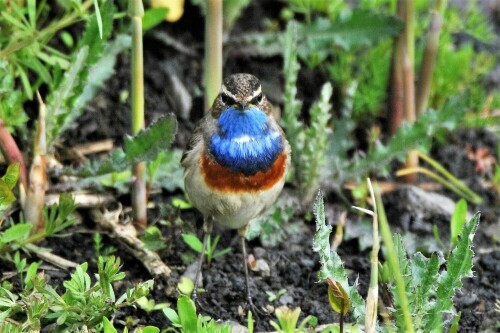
column 255, row 310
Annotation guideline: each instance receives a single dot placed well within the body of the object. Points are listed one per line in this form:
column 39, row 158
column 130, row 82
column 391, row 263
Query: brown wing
column 195, row 137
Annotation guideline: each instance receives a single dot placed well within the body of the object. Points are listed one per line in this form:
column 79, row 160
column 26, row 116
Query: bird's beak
column 243, row 105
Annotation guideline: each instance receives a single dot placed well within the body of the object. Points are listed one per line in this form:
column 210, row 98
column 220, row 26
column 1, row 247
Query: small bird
column 236, row 161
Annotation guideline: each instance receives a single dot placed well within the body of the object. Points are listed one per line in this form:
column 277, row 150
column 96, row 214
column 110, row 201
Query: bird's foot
column 256, row 312
column 200, row 307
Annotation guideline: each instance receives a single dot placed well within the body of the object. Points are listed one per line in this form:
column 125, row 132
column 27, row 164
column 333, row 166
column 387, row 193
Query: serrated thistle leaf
column 337, row 297
column 61, row 110
column 143, row 147
column 149, row 142
column 459, row 266
column 424, row 273
column 408, row 137
column 331, row 264
column 362, row 28
column 91, row 36
column 57, row 109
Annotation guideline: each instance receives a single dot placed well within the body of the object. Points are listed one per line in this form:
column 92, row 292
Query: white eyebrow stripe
column 257, row 92
column 225, row 91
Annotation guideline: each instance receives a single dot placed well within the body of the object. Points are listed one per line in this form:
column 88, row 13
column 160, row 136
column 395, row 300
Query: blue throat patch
column 245, row 142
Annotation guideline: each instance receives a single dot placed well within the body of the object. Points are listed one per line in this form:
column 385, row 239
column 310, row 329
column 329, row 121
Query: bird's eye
column 257, row 99
column 227, row 100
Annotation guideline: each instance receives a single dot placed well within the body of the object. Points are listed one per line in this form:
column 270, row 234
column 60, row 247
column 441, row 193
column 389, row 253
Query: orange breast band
column 223, row 179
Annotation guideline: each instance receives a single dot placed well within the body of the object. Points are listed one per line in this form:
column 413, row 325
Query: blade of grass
column 393, row 263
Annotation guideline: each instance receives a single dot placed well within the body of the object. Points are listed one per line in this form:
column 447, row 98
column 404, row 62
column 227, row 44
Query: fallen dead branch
column 51, row 258
column 83, row 199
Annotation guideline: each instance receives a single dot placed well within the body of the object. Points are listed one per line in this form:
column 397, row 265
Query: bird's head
column 240, row 92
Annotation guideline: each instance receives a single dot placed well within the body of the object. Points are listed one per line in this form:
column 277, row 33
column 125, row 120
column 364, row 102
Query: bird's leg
column 207, row 230
column 242, row 231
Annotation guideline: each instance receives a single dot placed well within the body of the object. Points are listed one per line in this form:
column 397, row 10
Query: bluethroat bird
column 236, row 161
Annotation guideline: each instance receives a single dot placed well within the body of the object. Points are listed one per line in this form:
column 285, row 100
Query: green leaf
column 459, row 266
column 337, row 297
column 409, row 136
column 185, row 286
column 181, row 204
column 193, row 242
column 172, row 316
column 187, row 314
column 107, row 326
column 153, row 239
column 12, row 174
column 32, row 13
column 458, row 220
column 16, row 232
column 149, row 142
column 152, row 17
column 57, row 110
column 102, row 70
column 149, row 329
column 362, row 28
column 98, row 17
column 30, row 273
column 6, row 195
column 424, row 274
column 331, row 264
column 61, row 110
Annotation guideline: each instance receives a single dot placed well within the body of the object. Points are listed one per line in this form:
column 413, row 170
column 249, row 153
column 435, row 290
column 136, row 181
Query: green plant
column 99, row 248
column 196, row 244
column 310, row 141
column 82, row 303
column 187, row 321
column 27, row 56
column 153, row 239
column 108, row 327
column 331, row 264
column 58, row 217
column 421, row 291
column 7, row 183
column 288, row 319
column 274, row 296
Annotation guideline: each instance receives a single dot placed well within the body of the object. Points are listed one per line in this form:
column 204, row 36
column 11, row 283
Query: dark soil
column 293, row 264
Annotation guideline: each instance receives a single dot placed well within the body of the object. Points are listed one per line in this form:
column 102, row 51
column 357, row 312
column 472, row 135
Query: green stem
column 139, row 193
column 430, row 54
column 394, row 264
column 213, row 52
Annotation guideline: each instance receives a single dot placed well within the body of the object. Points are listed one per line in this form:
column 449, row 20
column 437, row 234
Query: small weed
column 196, row 244
column 99, row 248
column 275, row 296
column 187, row 321
column 82, row 303
column 288, row 320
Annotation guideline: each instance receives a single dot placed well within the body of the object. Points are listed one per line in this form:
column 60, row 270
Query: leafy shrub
column 82, row 304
